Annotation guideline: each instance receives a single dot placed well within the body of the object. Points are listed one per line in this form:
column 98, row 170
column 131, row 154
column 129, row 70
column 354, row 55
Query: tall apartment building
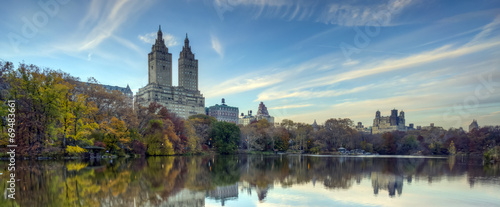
column 184, row 100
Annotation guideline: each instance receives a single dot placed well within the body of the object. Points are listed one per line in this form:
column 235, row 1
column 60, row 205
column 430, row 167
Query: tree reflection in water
column 188, row 181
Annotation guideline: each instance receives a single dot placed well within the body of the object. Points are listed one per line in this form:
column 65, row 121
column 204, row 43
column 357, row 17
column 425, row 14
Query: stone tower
column 160, row 62
column 401, row 118
column 473, row 125
column 188, row 68
column 394, row 117
column 376, row 121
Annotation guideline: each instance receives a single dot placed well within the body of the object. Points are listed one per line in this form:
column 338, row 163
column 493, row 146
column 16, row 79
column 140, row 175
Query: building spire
column 160, row 34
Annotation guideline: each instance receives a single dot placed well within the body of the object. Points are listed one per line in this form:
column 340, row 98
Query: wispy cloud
column 345, row 14
column 241, row 84
column 104, row 18
column 291, row 106
column 444, row 52
column 350, row 62
column 381, row 14
column 487, row 30
column 150, row 38
column 216, row 45
column 278, row 94
column 263, row 78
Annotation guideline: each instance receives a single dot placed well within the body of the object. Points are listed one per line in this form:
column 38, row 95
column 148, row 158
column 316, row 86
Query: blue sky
column 436, row 60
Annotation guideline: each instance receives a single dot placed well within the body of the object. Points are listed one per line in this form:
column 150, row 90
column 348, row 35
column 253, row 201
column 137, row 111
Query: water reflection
column 192, row 181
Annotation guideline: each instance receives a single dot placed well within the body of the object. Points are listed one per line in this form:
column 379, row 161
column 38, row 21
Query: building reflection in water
column 224, row 193
column 192, row 181
column 389, row 182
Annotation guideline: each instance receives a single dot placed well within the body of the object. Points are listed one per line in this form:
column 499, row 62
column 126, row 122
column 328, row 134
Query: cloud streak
column 217, row 46
column 442, row 53
column 274, row 95
column 150, row 38
column 291, row 106
column 363, row 15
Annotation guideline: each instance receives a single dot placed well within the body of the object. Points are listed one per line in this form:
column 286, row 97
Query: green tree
column 226, row 137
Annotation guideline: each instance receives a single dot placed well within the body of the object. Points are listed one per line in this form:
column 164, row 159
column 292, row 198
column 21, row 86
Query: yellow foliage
column 76, row 166
column 74, row 150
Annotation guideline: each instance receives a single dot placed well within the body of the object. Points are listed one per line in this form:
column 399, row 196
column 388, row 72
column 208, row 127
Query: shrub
column 99, row 144
column 492, row 155
column 138, row 147
column 75, row 150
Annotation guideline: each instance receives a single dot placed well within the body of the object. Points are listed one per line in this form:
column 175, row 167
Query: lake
column 256, row 180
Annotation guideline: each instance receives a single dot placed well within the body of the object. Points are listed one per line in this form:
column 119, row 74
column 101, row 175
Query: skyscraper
column 184, row 100
column 188, row 68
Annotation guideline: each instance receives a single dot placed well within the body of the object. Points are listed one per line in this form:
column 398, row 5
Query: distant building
column 363, row 129
column 246, row 119
column 411, row 126
column 184, row 100
column 224, row 112
column 473, row 125
column 394, row 122
column 124, row 90
column 431, row 127
column 315, row 126
column 262, row 113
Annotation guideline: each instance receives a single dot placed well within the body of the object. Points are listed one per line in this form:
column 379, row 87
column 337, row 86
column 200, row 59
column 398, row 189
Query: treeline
column 338, row 133
column 57, row 114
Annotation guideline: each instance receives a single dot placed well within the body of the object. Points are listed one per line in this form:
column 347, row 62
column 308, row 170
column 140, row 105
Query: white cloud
column 278, row 94
column 350, row 63
column 363, row 15
column 438, row 54
column 104, row 18
column 291, row 106
column 241, row 84
column 262, row 78
column 89, row 57
column 150, row 38
column 216, row 45
column 487, row 30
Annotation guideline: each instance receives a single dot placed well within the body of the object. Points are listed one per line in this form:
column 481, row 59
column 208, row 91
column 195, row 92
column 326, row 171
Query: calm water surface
column 291, row 180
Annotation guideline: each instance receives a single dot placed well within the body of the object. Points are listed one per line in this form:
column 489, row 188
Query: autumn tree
column 157, row 139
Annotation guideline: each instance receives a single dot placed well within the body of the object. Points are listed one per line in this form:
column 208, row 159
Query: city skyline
column 305, row 60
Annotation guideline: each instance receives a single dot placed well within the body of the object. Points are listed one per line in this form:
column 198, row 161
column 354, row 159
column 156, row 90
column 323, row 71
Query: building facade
column 246, row 119
column 315, row 126
column 394, row 122
column 224, row 112
column 473, row 125
column 363, row 129
column 184, row 100
column 262, row 113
